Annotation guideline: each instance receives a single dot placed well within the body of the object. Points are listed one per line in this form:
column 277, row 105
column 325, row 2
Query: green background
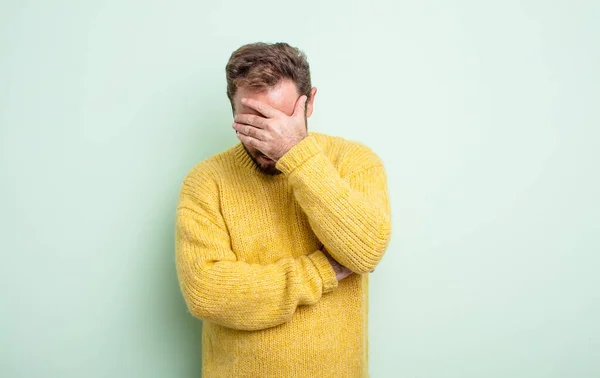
column 486, row 115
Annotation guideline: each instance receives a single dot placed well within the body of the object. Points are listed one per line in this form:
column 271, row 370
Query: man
column 276, row 236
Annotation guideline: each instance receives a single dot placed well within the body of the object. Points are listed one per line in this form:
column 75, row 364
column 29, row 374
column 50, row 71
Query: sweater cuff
column 324, row 268
column 301, row 152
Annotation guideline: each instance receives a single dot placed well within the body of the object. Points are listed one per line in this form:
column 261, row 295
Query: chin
column 267, row 166
column 264, row 164
column 269, row 169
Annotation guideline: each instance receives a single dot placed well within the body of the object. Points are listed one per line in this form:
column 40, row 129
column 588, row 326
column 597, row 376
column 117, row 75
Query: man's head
column 276, row 74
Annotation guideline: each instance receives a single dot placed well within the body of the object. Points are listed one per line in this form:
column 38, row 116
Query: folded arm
column 218, row 287
column 350, row 215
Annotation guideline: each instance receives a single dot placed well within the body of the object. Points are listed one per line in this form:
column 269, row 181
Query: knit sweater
column 250, row 260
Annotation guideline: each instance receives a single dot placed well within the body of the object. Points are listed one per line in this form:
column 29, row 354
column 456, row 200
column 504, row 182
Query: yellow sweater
column 249, row 259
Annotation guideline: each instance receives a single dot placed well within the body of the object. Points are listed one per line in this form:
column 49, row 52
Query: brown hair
column 261, row 66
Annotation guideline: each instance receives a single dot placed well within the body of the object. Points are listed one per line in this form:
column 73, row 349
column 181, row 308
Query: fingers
column 250, row 141
column 251, row 119
column 261, row 107
column 249, row 130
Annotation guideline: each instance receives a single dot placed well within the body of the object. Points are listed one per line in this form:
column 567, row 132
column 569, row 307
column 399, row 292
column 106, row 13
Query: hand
column 337, row 266
column 341, row 271
column 275, row 133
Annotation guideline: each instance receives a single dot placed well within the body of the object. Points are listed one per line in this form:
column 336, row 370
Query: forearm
column 350, row 216
column 245, row 296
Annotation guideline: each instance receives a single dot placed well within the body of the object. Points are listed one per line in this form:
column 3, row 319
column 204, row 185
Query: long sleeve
column 350, row 215
column 218, row 287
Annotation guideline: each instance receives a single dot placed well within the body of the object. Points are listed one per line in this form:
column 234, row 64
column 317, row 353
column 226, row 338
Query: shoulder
column 199, row 195
column 349, row 156
column 205, row 175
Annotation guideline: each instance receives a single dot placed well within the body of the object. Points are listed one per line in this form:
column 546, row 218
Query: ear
column 310, row 103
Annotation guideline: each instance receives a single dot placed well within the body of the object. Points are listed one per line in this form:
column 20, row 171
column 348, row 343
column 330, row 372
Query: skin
column 341, row 271
column 269, row 123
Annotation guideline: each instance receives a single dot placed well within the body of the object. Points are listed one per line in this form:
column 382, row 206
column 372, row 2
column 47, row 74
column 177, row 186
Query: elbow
column 196, row 309
column 204, row 307
column 367, row 259
column 196, row 304
column 195, row 292
column 363, row 257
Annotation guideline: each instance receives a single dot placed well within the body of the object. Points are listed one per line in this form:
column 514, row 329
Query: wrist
column 288, row 147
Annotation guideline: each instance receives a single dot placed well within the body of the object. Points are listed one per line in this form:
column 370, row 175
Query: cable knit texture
column 250, row 262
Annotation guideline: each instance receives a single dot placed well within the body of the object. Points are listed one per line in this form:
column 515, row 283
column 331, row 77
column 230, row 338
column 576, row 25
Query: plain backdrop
column 485, row 114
